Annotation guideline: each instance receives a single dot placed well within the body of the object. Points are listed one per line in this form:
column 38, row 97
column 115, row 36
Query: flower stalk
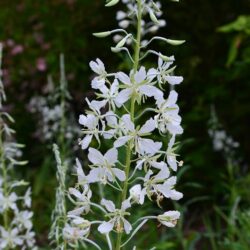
column 148, row 170
column 132, row 113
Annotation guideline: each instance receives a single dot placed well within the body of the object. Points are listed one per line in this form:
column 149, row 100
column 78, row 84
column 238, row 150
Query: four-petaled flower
column 169, row 218
column 117, row 220
column 104, row 169
column 142, row 145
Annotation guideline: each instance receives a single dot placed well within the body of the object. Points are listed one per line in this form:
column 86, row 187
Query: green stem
column 5, row 181
column 63, row 124
column 132, row 114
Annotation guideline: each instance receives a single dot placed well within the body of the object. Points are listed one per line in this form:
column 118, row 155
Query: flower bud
column 102, row 34
column 112, row 3
column 169, row 218
column 175, row 42
column 153, row 17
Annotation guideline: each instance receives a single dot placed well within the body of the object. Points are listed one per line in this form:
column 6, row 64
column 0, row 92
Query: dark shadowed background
column 216, row 68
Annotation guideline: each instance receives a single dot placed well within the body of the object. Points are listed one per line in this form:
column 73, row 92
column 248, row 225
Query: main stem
column 132, row 113
column 5, row 181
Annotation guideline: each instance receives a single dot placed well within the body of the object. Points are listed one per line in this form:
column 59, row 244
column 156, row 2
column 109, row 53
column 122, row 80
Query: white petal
column 95, row 175
column 171, row 159
column 163, row 173
column 175, row 129
column 128, row 123
column 125, row 205
column 111, row 156
column 173, row 214
column 97, row 83
column 139, row 164
column 108, row 134
column 82, row 120
column 127, row 226
column 140, row 75
column 151, row 91
column 85, row 141
column 122, row 97
column 171, row 181
column 109, row 205
column 114, row 87
column 148, row 146
column 106, row 227
column 148, row 127
column 119, row 174
column 97, row 105
column 76, row 193
column 77, row 211
column 121, row 141
column 91, row 121
column 111, row 119
column 172, row 98
column 95, row 156
column 80, row 174
column 175, row 195
column 174, row 80
column 98, row 67
column 123, row 78
column 152, row 73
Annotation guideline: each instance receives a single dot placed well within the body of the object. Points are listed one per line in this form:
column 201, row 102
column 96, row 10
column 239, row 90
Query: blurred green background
column 215, row 63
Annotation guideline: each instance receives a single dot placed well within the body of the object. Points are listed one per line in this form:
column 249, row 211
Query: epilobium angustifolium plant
column 66, row 130
column 131, row 111
column 51, row 110
column 15, row 202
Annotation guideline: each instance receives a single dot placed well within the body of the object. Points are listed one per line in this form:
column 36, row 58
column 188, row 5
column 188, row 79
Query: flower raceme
column 131, row 114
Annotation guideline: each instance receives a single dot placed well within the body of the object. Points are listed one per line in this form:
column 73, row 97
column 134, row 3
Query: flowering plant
column 148, row 169
column 15, row 215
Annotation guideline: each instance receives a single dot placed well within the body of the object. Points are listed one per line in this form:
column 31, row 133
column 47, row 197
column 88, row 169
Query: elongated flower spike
column 16, row 231
column 146, row 173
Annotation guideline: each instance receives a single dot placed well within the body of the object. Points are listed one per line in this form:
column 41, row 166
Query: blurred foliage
column 215, row 62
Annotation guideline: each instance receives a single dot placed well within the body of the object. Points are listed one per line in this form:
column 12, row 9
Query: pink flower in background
column 18, row 49
column 10, row 43
column 41, row 64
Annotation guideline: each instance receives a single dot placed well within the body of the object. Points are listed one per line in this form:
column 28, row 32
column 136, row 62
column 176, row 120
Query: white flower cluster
column 222, row 142
column 19, row 232
column 128, row 17
column 16, row 230
column 51, row 110
column 132, row 113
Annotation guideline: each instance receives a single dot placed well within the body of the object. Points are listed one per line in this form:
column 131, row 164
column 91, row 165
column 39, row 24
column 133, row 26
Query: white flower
column 167, row 118
column 110, row 94
column 82, row 201
column 117, row 220
column 29, row 238
column 120, row 15
column 167, row 189
column 142, row 145
column 90, row 121
column 99, row 68
column 82, row 178
column 104, row 170
column 116, row 125
column 171, row 156
column 136, row 194
column 27, row 198
column 160, row 184
column 8, row 202
column 163, row 73
column 138, row 86
column 74, row 233
column 169, row 218
column 147, row 160
column 10, row 238
column 23, row 219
